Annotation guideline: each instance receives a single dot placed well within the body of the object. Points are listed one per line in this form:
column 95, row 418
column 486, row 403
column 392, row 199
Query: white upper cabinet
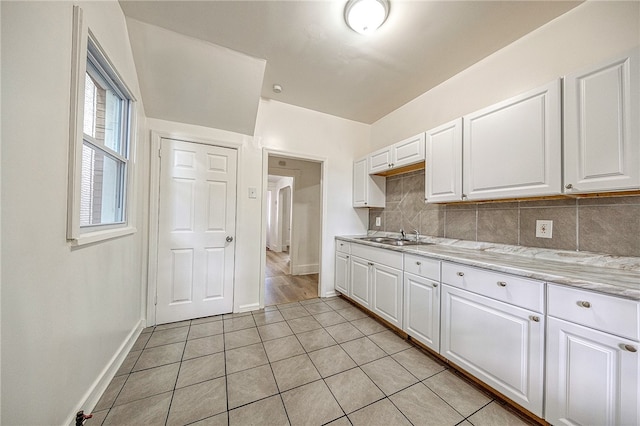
column 380, row 161
column 404, row 153
column 443, row 169
column 513, row 148
column 368, row 191
column 601, row 126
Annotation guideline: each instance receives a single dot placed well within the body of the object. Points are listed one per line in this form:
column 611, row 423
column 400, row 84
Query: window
column 100, row 144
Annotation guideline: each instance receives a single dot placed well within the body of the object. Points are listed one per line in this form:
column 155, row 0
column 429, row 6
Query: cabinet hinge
column 160, row 152
column 155, row 302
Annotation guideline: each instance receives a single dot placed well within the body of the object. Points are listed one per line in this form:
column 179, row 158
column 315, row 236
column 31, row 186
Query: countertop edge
column 574, row 279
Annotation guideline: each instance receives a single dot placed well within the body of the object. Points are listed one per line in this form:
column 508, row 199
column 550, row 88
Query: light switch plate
column 544, row 228
column 378, row 221
column 253, row 192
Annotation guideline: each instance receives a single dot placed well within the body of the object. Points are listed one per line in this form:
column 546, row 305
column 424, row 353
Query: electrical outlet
column 378, row 221
column 544, row 228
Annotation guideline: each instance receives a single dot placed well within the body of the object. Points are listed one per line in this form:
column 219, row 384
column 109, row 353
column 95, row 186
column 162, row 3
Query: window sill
column 97, row 236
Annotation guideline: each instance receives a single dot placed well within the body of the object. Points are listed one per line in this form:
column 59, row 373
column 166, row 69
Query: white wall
column 585, row 35
column 66, row 311
column 290, row 129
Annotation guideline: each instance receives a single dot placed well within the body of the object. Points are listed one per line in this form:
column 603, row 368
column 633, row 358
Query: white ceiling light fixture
column 366, row 16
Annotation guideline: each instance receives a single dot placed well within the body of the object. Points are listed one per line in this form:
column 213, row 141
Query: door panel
column 360, row 281
column 196, row 215
column 387, row 294
column 501, row 344
column 591, row 378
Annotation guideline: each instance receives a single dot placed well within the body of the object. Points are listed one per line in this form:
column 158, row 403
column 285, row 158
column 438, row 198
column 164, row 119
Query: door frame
column 154, row 205
column 323, row 210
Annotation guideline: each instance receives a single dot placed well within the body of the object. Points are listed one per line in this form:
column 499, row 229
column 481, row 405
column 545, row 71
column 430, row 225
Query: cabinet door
column 601, row 127
column 443, row 175
column 500, row 344
column 368, row 191
column 387, row 293
column 360, row 176
column 342, row 273
column 380, row 161
column 408, row 151
column 513, row 148
column 360, row 280
column 592, row 377
column 422, row 310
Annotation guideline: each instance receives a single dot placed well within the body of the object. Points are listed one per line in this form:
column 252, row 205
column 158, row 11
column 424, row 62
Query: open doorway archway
column 293, row 222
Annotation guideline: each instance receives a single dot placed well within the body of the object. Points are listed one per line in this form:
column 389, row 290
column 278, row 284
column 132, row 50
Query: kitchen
column 79, row 304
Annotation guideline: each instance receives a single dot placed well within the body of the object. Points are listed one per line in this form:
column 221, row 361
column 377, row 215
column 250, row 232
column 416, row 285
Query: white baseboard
column 331, row 293
column 311, row 268
column 92, row 396
column 248, row 308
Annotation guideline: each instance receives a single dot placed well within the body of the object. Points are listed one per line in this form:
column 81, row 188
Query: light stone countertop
column 614, row 275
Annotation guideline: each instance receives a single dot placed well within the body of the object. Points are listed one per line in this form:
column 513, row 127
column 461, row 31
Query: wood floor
column 280, row 287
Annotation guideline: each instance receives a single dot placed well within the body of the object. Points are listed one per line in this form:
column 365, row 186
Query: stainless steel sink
column 394, row 241
column 378, row 239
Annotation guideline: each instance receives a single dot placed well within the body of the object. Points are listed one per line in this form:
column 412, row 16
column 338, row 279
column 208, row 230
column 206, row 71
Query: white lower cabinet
column 360, row 281
column 376, row 281
column 499, row 343
column 422, row 300
column 593, row 375
column 387, row 293
column 343, row 269
column 422, row 310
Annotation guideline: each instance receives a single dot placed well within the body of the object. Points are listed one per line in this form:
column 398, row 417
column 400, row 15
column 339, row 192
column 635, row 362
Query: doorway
column 293, row 224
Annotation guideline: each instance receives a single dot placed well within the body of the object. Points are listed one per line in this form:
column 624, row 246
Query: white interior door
column 195, row 231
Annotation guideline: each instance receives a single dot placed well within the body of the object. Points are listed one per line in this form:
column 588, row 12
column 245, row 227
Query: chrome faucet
column 417, row 234
column 403, row 235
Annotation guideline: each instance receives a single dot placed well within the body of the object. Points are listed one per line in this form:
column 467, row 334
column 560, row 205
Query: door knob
column 229, row 238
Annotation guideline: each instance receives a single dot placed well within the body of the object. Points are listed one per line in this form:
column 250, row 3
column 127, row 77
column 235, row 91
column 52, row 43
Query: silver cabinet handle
column 568, row 186
column 534, row 318
column 370, row 264
column 460, row 274
column 347, row 257
column 501, row 284
column 418, row 263
column 584, row 304
column 229, row 238
column 434, row 284
column 630, row 348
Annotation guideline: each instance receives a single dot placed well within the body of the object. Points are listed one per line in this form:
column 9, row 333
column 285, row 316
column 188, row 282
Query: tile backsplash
column 608, row 225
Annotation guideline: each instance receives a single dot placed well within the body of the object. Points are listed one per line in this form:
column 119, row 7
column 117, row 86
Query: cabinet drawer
column 606, row 313
column 343, row 246
column 376, row 255
column 422, row 266
column 526, row 293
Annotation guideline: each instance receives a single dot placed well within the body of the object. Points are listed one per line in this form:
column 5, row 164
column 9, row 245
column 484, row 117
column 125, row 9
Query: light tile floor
column 313, row 362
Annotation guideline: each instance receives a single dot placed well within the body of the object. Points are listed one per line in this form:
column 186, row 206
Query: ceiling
column 324, row 66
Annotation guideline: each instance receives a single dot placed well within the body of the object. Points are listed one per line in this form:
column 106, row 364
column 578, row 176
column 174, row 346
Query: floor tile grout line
column 175, row 384
column 306, row 352
column 479, row 409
